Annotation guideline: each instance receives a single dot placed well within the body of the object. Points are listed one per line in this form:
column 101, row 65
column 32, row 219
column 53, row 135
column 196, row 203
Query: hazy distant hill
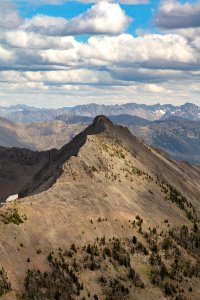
column 73, row 119
column 180, row 138
column 26, row 114
column 37, row 136
column 128, row 120
column 105, row 217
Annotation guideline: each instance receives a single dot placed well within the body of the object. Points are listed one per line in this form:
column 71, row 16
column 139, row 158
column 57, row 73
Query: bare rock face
column 106, row 217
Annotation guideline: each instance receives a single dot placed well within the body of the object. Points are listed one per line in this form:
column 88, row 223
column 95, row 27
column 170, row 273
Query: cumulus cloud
column 150, row 51
column 101, row 18
column 30, row 40
column 174, row 14
column 6, row 56
column 154, row 88
column 153, row 51
column 42, row 23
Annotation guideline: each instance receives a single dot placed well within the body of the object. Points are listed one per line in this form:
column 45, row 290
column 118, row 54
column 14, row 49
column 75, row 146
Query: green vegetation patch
column 11, row 216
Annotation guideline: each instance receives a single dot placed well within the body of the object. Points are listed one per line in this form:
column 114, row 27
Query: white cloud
column 43, row 22
column 101, row 18
column 5, row 55
column 170, row 51
column 23, row 39
column 154, row 88
column 174, row 14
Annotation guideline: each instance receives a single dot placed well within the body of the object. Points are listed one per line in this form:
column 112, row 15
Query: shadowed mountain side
column 18, row 167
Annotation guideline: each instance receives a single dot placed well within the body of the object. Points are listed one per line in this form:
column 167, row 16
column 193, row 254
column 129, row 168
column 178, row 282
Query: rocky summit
column 104, row 217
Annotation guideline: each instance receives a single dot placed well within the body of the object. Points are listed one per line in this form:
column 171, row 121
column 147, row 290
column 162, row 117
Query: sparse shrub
column 170, row 289
column 107, row 251
column 163, row 271
column 156, row 279
column 136, row 278
column 167, row 243
column 73, row 248
column 134, row 240
column 5, row 285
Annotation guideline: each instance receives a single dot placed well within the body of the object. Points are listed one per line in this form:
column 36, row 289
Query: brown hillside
column 111, row 209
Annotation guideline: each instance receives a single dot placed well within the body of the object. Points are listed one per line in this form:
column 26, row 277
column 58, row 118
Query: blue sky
column 62, row 53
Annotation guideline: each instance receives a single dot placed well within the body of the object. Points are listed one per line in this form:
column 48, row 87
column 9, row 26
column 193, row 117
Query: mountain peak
column 101, row 122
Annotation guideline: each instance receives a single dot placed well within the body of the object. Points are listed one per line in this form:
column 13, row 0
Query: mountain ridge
column 101, row 124
column 105, row 216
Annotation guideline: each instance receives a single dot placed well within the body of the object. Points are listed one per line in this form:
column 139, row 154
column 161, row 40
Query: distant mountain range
column 26, row 114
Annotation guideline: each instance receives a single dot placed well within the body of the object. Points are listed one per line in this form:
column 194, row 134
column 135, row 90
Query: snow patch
column 12, row 198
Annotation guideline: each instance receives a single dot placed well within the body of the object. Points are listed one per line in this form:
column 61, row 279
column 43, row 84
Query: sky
column 56, row 53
